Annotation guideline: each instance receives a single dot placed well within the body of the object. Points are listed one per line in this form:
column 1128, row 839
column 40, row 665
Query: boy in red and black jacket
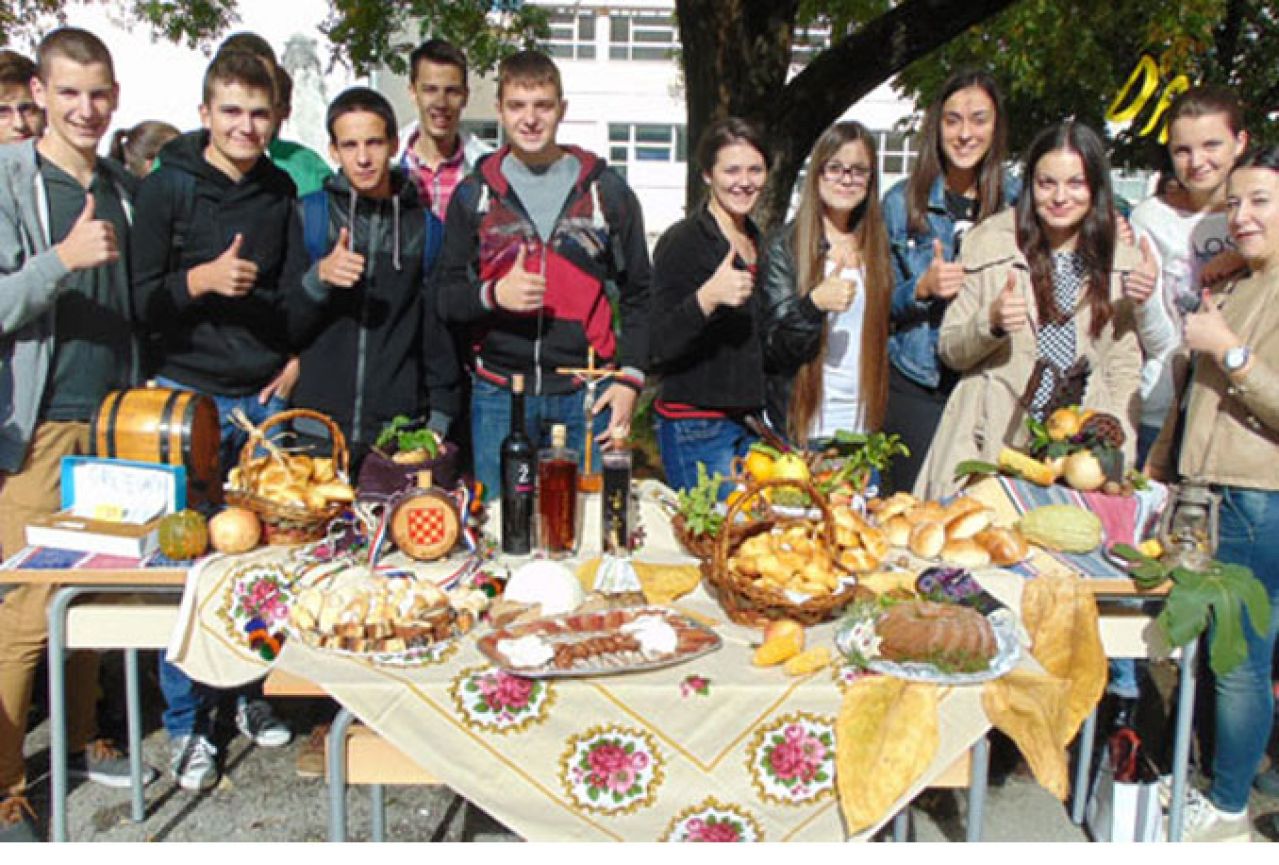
column 544, row 257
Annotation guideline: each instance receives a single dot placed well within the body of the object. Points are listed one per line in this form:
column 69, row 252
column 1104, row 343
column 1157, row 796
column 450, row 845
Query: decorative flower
column 798, row 756
column 711, row 820
column 504, row 691
column 611, row 770
column 712, row 830
column 699, row 685
column 791, row 761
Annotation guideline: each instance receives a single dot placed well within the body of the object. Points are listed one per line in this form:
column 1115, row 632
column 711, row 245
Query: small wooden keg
column 160, row 425
column 425, row 524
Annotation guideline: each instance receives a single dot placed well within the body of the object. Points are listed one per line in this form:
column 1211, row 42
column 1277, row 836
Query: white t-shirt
column 841, row 407
column 1184, row 242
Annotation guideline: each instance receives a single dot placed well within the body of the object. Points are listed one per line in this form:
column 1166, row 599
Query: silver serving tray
column 573, row 626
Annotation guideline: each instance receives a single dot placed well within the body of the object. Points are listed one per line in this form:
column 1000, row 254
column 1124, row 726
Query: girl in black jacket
column 827, row 287
column 705, row 313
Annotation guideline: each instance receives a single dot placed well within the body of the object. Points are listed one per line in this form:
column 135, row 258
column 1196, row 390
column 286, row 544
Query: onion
column 1082, row 471
column 235, row 530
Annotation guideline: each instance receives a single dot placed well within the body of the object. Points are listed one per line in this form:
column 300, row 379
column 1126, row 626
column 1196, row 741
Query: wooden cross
column 591, row 375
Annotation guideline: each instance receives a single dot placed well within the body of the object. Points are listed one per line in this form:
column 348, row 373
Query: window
column 646, row 142
column 810, row 41
column 896, row 153
column 572, row 34
column 488, row 131
column 641, row 36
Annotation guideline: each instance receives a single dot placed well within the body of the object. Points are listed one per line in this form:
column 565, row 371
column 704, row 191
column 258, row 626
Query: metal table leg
column 1181, row 739
column 377, row 802
column 901, row 825
column 1083, row 768
column 337, row 774
column 977, row 782
column 133, row 708
column 57, row 615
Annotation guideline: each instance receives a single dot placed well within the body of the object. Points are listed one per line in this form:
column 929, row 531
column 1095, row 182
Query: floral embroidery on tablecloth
column 611, row 770
column 712, row 820
column 256, row 607
column 792, row 760
column 695, row 685
column 495, row 701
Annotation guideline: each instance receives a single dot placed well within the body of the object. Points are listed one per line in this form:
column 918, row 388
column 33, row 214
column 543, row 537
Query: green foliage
column 369, row 32
column 698, row 506
column 862, row 453
column 1059, row 58
column 1221, row 595
column 402, row 432
column 975, row 467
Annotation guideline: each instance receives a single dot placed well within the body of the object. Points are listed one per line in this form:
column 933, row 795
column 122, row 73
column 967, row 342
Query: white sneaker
column 257, row 722
column 194, row 763
column 1204, row 821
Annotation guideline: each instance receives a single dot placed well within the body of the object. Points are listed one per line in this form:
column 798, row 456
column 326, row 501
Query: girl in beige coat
column 1042, row 320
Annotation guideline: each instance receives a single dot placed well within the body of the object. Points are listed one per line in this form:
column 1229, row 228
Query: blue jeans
column 491, row 423
column 713, row 442
column 187, row 703
column 1146, row 436
column 1245, row 701
column 233, row 438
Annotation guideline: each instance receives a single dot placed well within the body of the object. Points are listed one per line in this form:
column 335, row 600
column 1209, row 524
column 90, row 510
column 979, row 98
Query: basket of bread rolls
column 294, row 494
column 779, row 567
column 961, row 532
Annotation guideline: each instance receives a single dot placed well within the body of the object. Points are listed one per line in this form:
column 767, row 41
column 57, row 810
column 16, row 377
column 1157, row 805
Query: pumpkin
column 235, row 530
column 184, row 535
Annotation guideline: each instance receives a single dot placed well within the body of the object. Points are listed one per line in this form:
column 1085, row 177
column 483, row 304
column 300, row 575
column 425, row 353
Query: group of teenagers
column 424, row 274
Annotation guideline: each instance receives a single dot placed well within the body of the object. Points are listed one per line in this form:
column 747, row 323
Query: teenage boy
column 437, row 155
column 541, row 243
column 1185, row 228
column 20, row 116
column 218, row 262
column 382, row 350
column 65, row 341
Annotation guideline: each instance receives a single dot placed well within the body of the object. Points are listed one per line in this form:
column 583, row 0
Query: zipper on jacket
column 370, row 259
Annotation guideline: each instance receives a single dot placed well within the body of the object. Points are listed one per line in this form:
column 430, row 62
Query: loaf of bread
column 944, row 634
column 1006, row 546
column 927, row 539
column 966, row 553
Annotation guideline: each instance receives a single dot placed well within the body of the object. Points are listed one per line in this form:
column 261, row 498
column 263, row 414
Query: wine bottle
column 518, row 458
column 557, row 495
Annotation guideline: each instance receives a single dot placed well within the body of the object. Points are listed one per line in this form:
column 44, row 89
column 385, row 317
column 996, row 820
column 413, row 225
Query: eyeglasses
column 835, row 171
column 9, row 110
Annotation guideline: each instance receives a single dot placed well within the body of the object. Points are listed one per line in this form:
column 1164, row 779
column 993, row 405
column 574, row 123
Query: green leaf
column 975, row 467
column 1129, row 553
column 1253, row 593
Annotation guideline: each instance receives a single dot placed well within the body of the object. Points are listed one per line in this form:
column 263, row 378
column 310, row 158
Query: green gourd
column 184, row 535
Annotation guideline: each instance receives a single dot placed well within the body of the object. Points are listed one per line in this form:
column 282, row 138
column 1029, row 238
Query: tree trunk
column 736, row 54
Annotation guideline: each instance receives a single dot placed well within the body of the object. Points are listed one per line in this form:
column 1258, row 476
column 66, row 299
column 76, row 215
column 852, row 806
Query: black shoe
column 1125, row 713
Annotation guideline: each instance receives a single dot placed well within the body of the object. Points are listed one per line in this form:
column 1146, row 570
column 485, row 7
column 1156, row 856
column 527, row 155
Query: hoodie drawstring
column 395, row 231
column 350, row 217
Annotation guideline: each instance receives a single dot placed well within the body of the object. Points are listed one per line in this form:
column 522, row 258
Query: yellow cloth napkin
column 1060, row 616
column 1028, row 707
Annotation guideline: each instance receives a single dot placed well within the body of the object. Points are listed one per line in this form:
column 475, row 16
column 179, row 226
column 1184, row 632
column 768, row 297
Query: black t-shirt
column 92, row 343
column 962, row 211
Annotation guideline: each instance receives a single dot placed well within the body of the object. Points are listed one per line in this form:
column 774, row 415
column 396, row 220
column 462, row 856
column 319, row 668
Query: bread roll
column 927, row 539
column 926, row 512
column 874, row 541
column 1006, row 546
column 886, row 509
column 966, row 553
column 858, row 561
column 897, row 530
column 961, row 505
column 968, row 524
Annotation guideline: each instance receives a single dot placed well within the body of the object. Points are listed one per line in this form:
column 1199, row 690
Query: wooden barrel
column 159, row 425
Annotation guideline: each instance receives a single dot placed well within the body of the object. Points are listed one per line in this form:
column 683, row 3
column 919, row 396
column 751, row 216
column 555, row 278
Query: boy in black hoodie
column 382, row 351
column 218, row 263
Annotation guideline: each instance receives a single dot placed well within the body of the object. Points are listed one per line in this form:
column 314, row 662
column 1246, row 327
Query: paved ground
column 261, row 798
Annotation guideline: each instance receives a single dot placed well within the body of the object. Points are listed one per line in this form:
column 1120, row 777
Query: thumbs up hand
column 943, row 279
column 1207, row 332
column 1009, row 311
column 342, row 267
column 727, row 286
column 90, row 242
column 227, row 275
column 519, row 290
column 1139, row 283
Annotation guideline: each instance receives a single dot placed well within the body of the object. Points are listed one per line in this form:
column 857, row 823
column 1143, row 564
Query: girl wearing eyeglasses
column 827, row 286
column 958, row 181
column 1041, row 321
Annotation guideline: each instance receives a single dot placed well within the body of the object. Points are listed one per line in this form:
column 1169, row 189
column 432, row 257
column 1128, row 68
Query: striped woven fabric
column 1124, row 519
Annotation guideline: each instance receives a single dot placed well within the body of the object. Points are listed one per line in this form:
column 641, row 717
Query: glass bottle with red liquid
column 557, row 495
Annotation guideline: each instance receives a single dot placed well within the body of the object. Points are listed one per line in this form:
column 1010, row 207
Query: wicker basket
column 749, row 603
column 288, row 524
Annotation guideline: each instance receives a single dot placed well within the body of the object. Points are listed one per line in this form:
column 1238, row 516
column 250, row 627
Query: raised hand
column 833, row 294
column 227, row 275
column 1009, row 311
column 727, row 286
column 90, row 242
column 943, row 279
column 1139, row 283
column 519, row 290
column 342, row 267
column 1206, row 331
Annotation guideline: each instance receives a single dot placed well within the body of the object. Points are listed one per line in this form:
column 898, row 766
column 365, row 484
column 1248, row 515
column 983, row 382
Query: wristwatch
column 1236, row 358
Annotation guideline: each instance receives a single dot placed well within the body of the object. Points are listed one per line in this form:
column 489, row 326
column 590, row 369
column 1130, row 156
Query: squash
column 184, row 535
column 1062, row 527
column 1026, row 467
